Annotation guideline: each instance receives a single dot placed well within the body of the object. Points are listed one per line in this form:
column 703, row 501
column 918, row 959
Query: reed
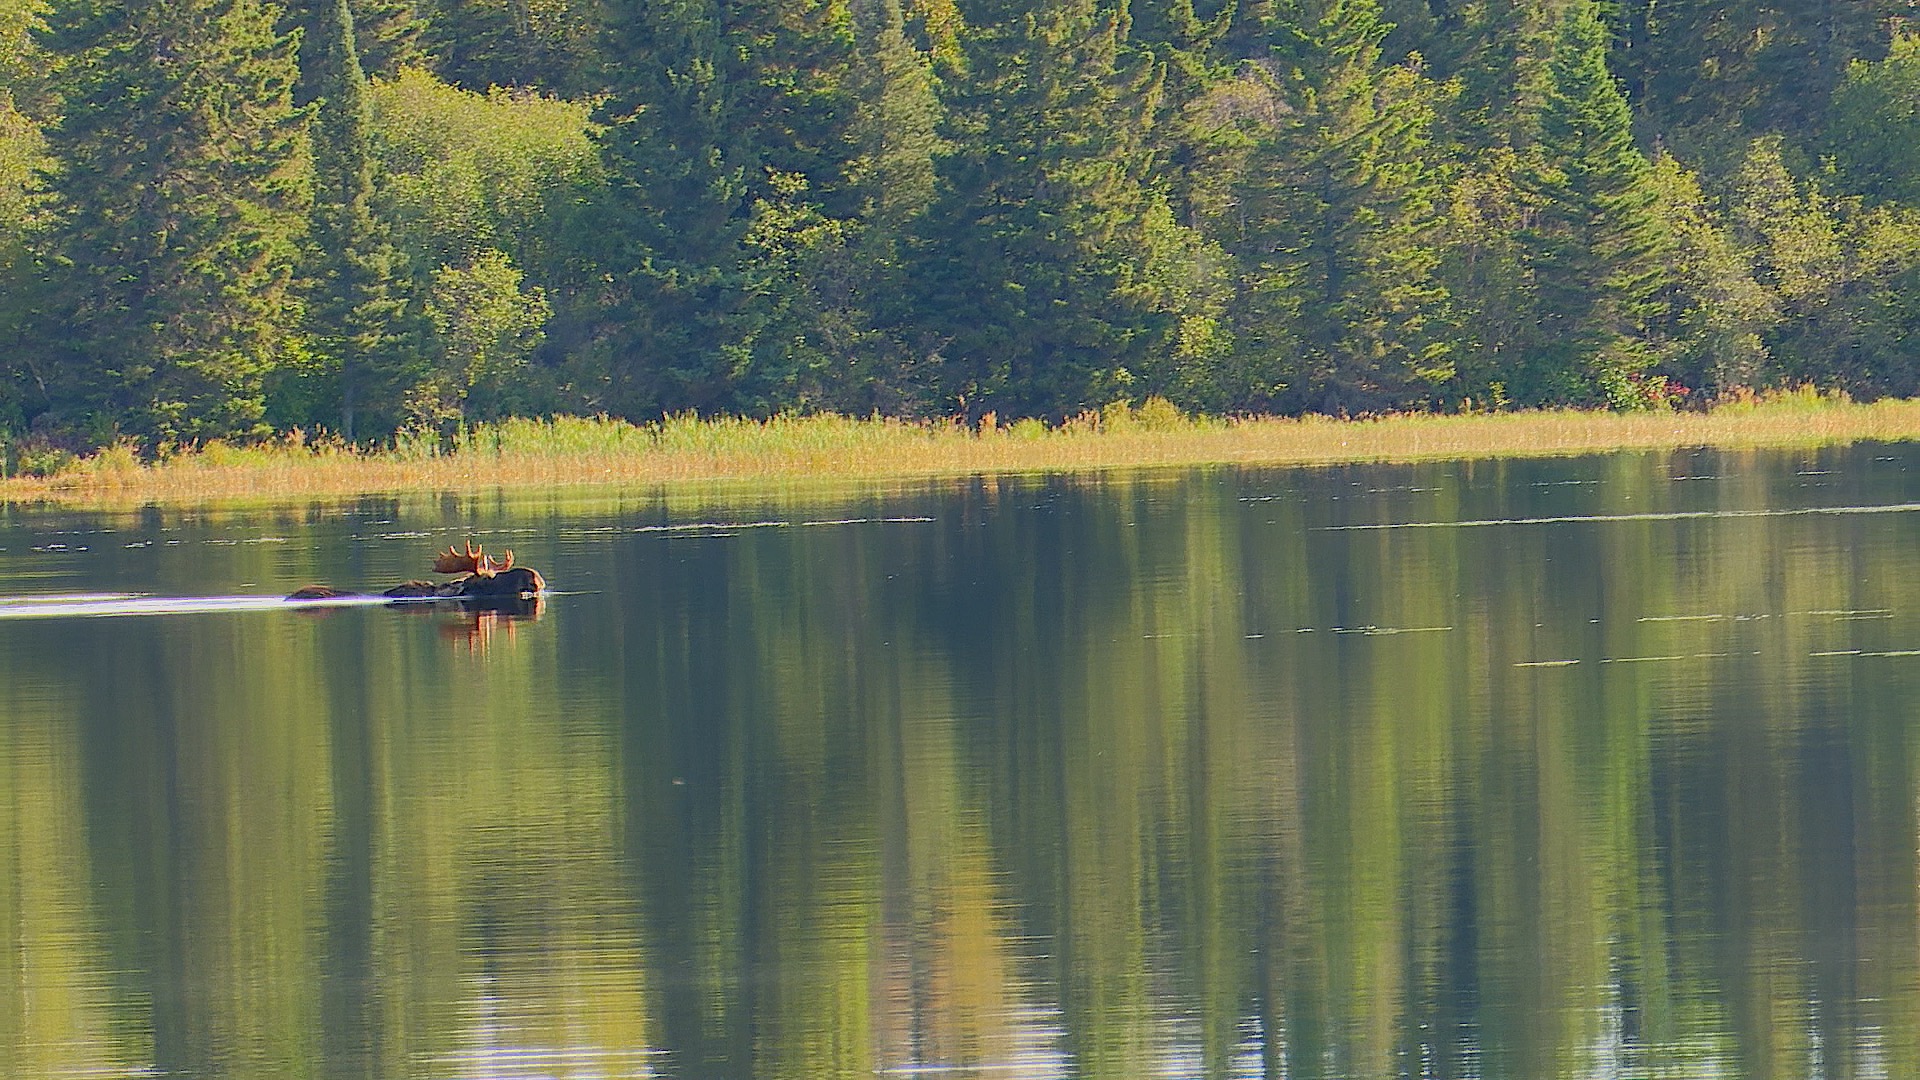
column 566, row 451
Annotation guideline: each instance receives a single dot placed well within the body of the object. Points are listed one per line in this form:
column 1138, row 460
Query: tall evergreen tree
column 1189, row 48
column 1497, row 52
column 351, row 271
column 896, row 131
column 1595, row 234
column 387, row 36
column 678, row 164
column 23, row 206
column 1335, row 218
column 480, row 44
column 183, row 194
column 1052, row 269
column 1708, row 77
column 860, row 297
column 727, row 138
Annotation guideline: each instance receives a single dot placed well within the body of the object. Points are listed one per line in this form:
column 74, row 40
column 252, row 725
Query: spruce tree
column 1050, row 266
column 480, row 44
column 23, row 165
column 1334, row 218
column 1186, row 48
column 679, row 160
column 1708, row 76
column 1496, row 52
column 351, row 273
column 183, row 193
column 726, row 139
column 896, row 131
column 386, row 39
column 1595, row 235
column 387, row 36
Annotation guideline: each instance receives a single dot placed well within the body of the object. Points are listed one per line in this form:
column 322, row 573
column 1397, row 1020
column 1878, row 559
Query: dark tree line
column 223, row 218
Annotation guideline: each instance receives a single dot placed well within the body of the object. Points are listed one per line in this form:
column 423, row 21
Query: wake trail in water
column 108, row 605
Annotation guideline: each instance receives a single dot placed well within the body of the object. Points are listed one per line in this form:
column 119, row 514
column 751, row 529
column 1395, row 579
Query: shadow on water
column 1595, row 767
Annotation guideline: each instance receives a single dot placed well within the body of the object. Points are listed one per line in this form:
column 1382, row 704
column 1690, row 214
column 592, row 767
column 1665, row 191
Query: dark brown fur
column 484, row 582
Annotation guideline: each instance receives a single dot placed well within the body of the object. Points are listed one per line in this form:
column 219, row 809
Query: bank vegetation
column 685, row 450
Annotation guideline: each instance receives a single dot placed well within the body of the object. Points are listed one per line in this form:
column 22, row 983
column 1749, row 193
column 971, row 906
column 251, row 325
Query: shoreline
column 684, row 452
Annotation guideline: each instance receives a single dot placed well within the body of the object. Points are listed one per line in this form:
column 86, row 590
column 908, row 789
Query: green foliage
column 1726, row 316
column 482, row 44
column 1051, row 266
column 487, row 324
column 459, row 172
column 896, row 134
column 1874, row 133
column 1841, row 271
column 356, row 306
column 727, row 136
column 182, row 191
column 24, row 207
column 1712, row 76
column 388, row 36
column 1593, row 240
column 1333, row 215
column 680, row 160
column 925, row 207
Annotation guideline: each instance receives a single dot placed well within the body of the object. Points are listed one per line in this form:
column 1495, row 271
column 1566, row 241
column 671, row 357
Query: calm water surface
column 1601, row 767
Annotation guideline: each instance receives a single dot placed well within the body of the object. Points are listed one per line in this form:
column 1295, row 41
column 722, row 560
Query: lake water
column 1596, row 767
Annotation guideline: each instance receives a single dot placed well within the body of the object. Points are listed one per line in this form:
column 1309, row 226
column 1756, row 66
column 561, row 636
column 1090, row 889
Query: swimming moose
column 483, row 582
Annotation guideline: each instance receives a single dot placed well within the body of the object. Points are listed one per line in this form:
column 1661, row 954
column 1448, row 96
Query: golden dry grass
column 684, row 451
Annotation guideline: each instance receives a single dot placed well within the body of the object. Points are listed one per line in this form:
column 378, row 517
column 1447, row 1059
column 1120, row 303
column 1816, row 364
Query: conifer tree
column 1709, row 77
column 678, row 164
column 387, row 36
column 1051, row 267
column 895, row 143
column 354, row 301
column 896, row 130
column 23, row 206
column 1335, row 217
column 1184, row 43
column 726, row 140
column 1595, row 235
column 480, row 44
column 1496, row 52
column 183, row 194
column 1187, row 50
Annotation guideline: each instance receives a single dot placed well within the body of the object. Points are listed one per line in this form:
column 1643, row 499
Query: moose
column 483, row 582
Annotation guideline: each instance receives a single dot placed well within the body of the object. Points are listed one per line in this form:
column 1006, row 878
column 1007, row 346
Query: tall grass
column 683, row 449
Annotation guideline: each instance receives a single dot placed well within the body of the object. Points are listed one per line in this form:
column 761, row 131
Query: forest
column 235, row 219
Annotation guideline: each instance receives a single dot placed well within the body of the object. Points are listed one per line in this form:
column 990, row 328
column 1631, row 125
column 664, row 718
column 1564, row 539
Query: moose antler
column 454, row 561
